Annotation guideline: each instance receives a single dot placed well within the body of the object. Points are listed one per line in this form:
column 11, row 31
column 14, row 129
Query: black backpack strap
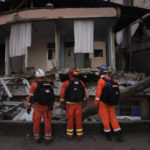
column 106, row 80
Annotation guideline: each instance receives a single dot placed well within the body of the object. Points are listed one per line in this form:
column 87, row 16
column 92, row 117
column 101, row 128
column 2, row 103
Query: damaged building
column 56, row 35
column 49, row 35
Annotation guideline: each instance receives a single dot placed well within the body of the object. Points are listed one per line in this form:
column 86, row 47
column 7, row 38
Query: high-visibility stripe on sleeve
column 28, row 103
column 61, row 99
column 97, row 98
column 30, row 94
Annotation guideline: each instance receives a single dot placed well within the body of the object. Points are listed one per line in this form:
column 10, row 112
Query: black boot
column 108, row 136
column 38, row 141
column 119, row 136
column 48, row 142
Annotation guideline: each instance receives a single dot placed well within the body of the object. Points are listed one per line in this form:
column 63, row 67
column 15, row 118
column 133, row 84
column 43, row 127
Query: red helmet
column 74, row 71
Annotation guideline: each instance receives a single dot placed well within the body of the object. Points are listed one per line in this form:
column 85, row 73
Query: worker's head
column 40, row 73
column 103, row 69
column 73, row 72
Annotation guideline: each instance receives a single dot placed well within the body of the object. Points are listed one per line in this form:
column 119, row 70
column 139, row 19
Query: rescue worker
column 105, row 111
column 73, row 93
column 41, row 109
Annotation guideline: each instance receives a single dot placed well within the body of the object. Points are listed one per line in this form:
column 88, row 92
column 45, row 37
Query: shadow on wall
column 17, row 64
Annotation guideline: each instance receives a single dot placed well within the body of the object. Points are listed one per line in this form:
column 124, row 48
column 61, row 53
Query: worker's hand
column 28, row 110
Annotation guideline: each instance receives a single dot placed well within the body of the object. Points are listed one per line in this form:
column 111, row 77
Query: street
column 132, row 141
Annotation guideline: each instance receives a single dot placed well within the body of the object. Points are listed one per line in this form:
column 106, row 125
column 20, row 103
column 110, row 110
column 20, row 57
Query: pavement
column 132, row 141
column 19, row 136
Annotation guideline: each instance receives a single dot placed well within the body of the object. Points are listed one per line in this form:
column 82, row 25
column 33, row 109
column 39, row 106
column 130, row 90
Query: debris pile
column 128, row 79
column 9, row 109
column 129, row 83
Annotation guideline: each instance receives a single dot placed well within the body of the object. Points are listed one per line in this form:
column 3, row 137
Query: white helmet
column 39, row 73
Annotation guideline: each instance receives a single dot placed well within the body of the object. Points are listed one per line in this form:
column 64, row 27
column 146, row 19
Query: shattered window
column 98, row 53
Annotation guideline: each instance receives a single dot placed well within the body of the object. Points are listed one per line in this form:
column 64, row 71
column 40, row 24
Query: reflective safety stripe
column 28, row 103
column 107, row 130
column 70, row 130
column 68, row 133
column 80, row 133
column 79, row 130
column 30, row 94
column 48, row 137
column 118, row 129
column 73, row 102
column 48, row 134
column 36, row 135
column 97, row 98
column 61, row 99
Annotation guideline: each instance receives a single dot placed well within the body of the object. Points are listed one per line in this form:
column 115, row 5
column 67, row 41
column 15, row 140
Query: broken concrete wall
column 17, row 64
column 100, row 54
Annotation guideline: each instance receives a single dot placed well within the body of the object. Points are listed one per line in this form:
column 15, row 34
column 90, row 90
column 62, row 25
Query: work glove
column 28, row 110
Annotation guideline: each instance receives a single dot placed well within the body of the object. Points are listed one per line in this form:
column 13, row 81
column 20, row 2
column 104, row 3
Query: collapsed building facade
column 56, row 35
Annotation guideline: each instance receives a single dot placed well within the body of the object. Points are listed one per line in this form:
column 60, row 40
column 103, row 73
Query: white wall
column 136, row 3
column 117, row 1
column 142, row 3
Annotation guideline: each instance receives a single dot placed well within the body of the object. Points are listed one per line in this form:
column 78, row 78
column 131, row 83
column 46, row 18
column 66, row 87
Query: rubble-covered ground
column 89, row 76
column 132, row 141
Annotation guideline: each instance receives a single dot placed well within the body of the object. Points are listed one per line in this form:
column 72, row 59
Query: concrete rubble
column 57, row 77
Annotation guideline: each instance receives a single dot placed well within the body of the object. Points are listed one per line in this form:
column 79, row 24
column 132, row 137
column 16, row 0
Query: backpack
column 75, row 91
column 44, row 93
column 110, row 93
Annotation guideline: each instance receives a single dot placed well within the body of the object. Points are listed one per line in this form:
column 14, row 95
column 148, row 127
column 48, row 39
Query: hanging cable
column 19, row 5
